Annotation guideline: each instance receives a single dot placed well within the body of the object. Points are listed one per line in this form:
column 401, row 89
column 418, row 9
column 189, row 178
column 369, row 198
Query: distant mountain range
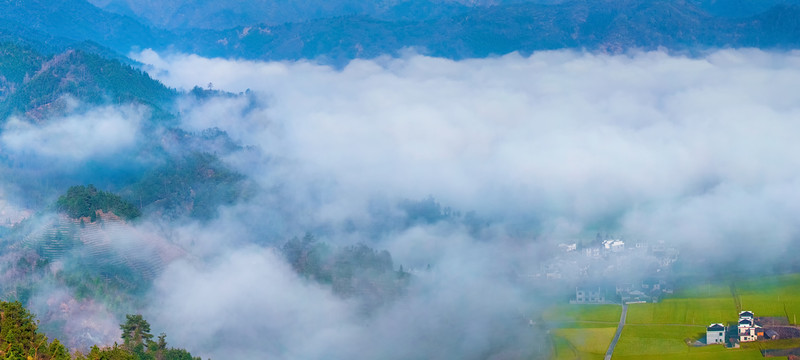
column 343, row 30
column 220, row 15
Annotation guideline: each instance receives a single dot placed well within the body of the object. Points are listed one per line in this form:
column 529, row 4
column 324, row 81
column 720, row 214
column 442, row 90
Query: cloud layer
column 97, row 133
column 585, row 138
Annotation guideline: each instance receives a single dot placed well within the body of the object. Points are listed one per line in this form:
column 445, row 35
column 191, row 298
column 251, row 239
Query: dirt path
column 618, row 333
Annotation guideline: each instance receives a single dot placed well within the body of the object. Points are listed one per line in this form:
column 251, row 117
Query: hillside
column 194, row 185
column 22, row 339
column 525, row 27
column 86, row 201
column 79, row 20
column 35, row 85
column 68, row 269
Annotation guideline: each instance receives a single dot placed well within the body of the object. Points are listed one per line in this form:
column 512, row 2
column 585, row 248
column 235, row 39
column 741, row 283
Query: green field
column 772, row 296
column 582, row 331
column 661, row 331
column 669, row 342
column 582, row 343
column 693, row 311
column 590, row 315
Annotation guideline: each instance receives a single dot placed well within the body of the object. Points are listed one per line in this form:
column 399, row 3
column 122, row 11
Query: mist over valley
column 457, row 198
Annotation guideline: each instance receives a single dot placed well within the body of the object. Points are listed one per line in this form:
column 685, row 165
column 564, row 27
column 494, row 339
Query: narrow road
column 618, row 333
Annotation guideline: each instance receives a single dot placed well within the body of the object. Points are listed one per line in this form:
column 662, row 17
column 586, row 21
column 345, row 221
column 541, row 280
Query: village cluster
column 611, row 270
column 749, row 328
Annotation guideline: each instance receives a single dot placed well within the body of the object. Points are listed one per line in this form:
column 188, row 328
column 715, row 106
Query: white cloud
column 97, row 133
column 561, row 134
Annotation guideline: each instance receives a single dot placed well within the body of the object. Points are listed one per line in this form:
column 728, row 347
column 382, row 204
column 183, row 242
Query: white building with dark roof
column 715, row 334
column 748, row 329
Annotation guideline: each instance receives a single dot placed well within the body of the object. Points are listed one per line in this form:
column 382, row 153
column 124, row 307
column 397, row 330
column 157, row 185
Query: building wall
column 715, row 337
column 747, row 334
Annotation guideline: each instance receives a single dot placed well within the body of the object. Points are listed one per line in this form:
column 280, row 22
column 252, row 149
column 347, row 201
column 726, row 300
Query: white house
column 748, row 330
column 715, row 334
column 746, row 315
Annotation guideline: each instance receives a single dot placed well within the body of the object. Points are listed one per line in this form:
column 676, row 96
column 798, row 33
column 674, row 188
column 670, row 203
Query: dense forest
column 355, row 271
column 85, row 201
column 20, row 339
column 35, row 85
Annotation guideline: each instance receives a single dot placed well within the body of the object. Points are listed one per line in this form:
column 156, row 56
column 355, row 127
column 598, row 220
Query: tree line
column 20, row 339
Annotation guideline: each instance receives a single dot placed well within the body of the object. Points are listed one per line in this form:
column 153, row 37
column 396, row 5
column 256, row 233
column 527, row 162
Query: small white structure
column 715, row 334
column 613, row 245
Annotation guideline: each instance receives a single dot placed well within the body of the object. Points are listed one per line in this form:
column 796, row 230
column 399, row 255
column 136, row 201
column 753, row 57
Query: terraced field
column 102, row 245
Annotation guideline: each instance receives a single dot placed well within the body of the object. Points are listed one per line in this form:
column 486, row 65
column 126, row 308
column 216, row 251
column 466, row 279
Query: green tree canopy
column 84, row 201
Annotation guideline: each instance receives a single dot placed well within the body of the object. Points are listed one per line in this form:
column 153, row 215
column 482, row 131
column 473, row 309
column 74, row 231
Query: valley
column 400, row 179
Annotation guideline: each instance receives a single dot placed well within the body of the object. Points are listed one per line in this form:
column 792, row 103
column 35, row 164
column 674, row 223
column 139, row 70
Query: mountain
column 604, row 25
column 36, row 85
column 740, row 8
column 79, row 20
column 336, row 32
column 219, row 15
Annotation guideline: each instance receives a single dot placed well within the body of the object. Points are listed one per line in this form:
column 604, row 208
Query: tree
column 58, row 351
column 135, row 332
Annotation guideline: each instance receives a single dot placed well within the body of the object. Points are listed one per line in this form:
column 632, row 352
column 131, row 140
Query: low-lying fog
column 698, row 153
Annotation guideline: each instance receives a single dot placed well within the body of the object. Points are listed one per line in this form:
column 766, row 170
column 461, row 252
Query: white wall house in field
column 715, row 334
column 748, row 330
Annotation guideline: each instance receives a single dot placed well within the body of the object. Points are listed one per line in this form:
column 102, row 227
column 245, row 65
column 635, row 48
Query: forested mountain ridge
column 205, row 14
column 525, row 27
column 455, row 31
column 79, row 20
column 35, row 85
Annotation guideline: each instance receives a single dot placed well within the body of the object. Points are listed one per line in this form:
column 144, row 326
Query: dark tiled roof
column 716, row 327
